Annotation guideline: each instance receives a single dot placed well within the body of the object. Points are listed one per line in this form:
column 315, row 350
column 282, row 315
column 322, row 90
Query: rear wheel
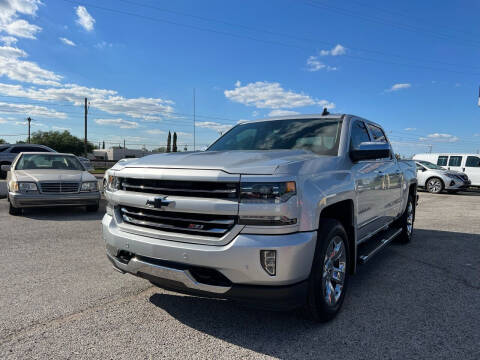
column 93, row 208
column 406, row 221
column 330, row 271
column 434, row 185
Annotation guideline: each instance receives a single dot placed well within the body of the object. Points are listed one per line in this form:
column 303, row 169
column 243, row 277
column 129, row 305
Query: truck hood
column 53, row 175
column 261, row 162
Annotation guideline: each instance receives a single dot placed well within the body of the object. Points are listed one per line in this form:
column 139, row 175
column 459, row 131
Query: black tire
column 93, row 208
column 434, row 185
column 317, row 307
column 14, row 210
column 404, row 221
column 453, row 191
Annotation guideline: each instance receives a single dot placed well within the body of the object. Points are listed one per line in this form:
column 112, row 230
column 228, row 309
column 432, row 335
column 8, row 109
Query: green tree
column 60, row 141
column 103, row 144
column 169, row 141
column 2, row 141
column 174, row 147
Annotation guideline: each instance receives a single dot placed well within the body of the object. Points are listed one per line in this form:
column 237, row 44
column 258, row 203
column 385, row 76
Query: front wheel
column 434, row 185
column 330, row 272
column 14, row 210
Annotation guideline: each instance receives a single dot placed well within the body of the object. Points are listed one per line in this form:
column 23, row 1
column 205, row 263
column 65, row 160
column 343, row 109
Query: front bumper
column 44, row 200
column 171, row 264
column 455, row 184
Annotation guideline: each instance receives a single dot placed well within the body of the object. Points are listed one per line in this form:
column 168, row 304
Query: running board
column 378, row 242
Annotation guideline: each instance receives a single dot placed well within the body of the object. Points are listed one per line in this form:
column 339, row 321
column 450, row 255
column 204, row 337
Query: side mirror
column 5, row 168
column 370, row 151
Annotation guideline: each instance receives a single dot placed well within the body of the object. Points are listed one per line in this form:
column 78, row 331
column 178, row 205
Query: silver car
column 41, row 179
column 435, row 178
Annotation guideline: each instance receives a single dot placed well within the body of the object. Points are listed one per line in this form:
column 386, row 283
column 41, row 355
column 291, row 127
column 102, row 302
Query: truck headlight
column 26, row 187
column 89, row 186
column 275, row 192
column 113, row 183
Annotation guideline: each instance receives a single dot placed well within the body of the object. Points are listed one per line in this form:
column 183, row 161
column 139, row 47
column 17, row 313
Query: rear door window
column 377, row 133
column 473, row 161
column 455, row 161
column 442, row 160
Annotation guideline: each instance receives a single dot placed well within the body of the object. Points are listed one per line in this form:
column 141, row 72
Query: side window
column 473, row 161
column 359, row 134
column 442, row 160
column 38, row 149
column 377, row 133
column 455, row 161
column 419, row 167
column 17, row 149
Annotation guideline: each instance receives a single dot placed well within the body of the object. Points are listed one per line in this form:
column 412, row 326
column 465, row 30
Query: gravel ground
column 60, row 298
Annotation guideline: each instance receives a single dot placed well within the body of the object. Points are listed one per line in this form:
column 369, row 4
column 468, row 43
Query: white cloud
column 155, row 132
column 440, row 138
column 67, row 41
column 32, row 123
column 103, row 45
column 9, row 22
column 185, row 134
column 61, row 128
column 267, row 95
column 220, row 128
column 84, row 19
column 410, row 129
column 313, row 64
column 25, row 71
column 121, row 123
column 149, row 109
column 255, row 113
column 397, row 87
column 281, row 112
column 8, row 40
column 336, row 51
column 27, row 109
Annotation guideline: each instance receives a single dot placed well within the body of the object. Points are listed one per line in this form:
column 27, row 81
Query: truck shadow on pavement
column 393, row 298
column 65, row 213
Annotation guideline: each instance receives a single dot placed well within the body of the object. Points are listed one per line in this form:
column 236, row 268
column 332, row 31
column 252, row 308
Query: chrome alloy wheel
column 434, row 185
column 334, row 267
column 409, row 219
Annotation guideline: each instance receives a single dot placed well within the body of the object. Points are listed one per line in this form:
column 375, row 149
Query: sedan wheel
column 434, row 186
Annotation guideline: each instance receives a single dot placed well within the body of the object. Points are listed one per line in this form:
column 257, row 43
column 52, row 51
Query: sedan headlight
column 267, row 193
column 27, row 187
column 89, row 186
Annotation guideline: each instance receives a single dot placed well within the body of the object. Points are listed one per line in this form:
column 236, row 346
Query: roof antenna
column 325, row 112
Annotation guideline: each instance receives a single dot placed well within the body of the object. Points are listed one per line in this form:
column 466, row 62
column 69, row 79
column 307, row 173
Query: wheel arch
column 434, row 177
column 343, row 211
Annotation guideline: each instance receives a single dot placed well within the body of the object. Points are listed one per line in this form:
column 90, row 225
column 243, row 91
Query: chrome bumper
column 238, row 261
column 43, row 200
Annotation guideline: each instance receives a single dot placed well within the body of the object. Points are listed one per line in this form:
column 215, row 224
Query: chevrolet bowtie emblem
column 159, row 202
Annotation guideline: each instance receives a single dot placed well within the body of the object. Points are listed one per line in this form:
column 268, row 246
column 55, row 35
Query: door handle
column 463, row 169
column 379, row 171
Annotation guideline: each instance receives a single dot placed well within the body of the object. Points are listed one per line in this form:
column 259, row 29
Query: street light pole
column 85, row 139
column 29, row 120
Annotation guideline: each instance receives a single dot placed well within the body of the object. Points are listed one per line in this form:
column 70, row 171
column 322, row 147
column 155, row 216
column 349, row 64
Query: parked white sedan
column 50, row 179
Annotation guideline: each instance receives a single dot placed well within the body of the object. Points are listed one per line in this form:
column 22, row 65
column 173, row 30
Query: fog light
column 268, row 259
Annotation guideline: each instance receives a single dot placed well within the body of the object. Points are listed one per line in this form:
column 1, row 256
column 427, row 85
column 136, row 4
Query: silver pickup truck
column 276, row 212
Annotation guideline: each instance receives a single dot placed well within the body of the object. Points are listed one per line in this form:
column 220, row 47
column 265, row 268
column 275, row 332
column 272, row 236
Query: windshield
column 46, row 161
column 320, row 136
column 429, row 165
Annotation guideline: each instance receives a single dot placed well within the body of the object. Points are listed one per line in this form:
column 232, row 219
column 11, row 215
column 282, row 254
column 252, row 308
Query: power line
column 260, row 40
column 288, row 35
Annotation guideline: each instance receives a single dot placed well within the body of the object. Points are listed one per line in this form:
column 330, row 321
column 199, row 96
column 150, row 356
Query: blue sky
column 411, row 66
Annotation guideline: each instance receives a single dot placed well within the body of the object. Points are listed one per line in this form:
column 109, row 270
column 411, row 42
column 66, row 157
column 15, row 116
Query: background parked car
column 465, row 163
column 435, row 178
column 50, row 179
column 8, row 152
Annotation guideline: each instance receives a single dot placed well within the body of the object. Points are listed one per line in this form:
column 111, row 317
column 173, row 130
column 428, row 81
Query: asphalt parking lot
column 60, row 298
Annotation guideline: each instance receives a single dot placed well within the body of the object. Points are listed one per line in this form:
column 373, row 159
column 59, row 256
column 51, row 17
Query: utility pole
column 194, row 120
column 85, row 140
column 29, row 120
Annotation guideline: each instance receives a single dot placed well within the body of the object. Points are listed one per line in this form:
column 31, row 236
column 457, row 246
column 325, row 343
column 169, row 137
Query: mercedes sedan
column 41, row 179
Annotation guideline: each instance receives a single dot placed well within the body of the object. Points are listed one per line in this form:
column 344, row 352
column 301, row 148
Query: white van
column 466, row 163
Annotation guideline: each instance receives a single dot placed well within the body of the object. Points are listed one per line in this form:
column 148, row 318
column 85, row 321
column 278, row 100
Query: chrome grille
column 188, row 223
column 59, row 187
column 205, row 189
